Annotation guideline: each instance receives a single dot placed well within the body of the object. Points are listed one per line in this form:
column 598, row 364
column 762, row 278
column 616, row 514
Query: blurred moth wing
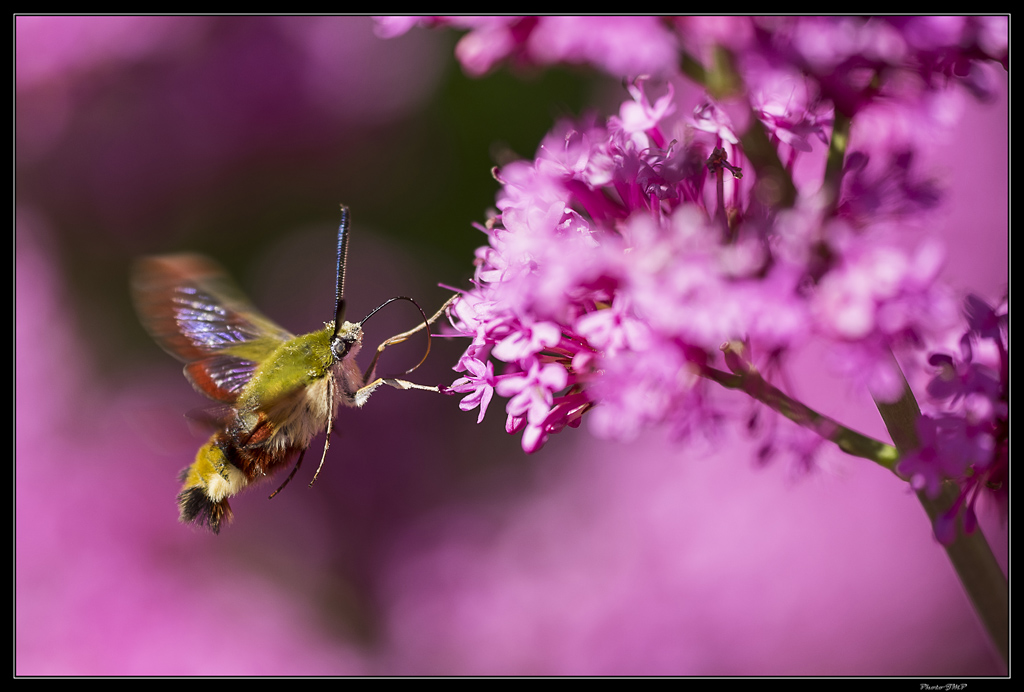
column 194, row 311
column 276, row 390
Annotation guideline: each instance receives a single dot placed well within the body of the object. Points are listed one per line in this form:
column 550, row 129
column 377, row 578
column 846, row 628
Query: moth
column 274, row 391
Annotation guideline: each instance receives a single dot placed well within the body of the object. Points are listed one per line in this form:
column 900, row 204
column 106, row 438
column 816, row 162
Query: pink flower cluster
column 614, row 272
column 843, row 54
column 784, row 203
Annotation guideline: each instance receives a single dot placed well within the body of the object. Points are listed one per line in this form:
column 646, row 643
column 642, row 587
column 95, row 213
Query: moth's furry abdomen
column 196, row 507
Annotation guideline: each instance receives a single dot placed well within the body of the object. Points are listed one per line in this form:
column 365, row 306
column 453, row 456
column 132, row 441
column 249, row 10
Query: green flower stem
column 970, row 554
column 749, row 381
column 836, row 156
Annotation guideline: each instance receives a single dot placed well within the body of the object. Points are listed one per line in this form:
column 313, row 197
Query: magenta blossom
column 839, row 51
column 478, row 385
column 619, row 45
column 967, row 440
column 785, row 203
column 613, row 261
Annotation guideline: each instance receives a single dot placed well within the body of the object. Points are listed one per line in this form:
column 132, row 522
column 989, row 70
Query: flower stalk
column 969, row 553
column 746, row 378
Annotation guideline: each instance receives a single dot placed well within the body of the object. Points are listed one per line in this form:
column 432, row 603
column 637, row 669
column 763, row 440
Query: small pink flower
column 478, row 385
column 531, row 393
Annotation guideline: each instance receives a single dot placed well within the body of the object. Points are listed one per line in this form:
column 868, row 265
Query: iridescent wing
column 190, row 306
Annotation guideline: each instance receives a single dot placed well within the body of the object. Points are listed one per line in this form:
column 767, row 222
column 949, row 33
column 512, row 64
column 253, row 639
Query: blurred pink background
column 429, row 545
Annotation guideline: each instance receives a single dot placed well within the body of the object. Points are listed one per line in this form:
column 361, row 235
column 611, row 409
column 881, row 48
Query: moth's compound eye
column 341, row 345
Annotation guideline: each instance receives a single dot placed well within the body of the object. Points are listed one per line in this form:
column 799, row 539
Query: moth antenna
column 339, row 292
column 330, row 427
column 290, row 475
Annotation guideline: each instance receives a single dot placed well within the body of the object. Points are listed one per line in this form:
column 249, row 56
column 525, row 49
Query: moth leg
column 405, row 384
column 399, row 338
column 290, row 475
column 363, row 393
column 330, row 427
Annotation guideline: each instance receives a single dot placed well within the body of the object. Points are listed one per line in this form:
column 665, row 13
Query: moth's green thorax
column 290, row 368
